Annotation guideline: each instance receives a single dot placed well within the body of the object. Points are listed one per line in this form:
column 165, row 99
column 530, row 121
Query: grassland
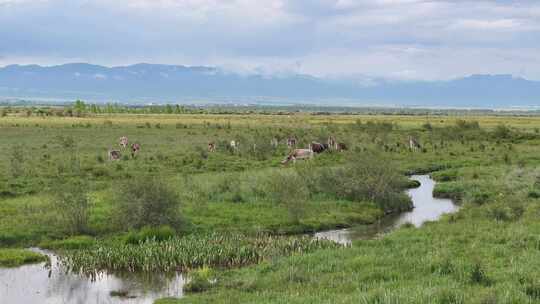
column 486, row 253
column 10, row 257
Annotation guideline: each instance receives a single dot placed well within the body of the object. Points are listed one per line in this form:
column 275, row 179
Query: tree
column 79, row 107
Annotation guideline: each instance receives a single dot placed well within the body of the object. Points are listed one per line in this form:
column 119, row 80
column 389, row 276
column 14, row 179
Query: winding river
column 40, row 283
column 426, row 208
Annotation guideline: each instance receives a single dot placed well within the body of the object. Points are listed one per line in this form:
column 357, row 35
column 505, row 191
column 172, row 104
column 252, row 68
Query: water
column 39, row 283
column 426, row 208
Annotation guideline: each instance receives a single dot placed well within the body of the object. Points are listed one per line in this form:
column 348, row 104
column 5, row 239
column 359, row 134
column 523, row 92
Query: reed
column 184, row 253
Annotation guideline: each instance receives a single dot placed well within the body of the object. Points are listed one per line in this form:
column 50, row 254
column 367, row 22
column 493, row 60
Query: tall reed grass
column 194, row 251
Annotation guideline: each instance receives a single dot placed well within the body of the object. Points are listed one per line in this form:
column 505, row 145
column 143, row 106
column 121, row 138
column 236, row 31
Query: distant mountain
column 169, row 83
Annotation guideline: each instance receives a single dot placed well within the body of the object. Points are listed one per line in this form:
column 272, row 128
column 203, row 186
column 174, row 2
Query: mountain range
column 145, row 83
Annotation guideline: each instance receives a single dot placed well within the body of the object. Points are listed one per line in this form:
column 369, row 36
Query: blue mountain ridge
column 142, row 82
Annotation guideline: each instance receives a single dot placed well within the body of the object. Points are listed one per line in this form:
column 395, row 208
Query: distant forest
column 80, row 108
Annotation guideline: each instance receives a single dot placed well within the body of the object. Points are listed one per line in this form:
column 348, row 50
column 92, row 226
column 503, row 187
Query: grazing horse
column 114, row 155
column 211, row 147
column 318, row 147
column 414, row 145
column 135, row 148
column 291, row 142
column 124, row 142
column 298, row 154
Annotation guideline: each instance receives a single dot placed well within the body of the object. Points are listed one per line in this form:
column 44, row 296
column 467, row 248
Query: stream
column 39, row 283
column 426, row 208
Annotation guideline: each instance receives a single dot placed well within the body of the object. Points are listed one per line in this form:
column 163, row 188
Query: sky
column 394, row 39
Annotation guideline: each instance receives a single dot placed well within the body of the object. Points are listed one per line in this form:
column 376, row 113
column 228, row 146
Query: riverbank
column 18, row 257
column 484, row 253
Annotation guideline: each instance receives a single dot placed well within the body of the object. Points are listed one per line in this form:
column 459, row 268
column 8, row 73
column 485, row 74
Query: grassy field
column 485, row 253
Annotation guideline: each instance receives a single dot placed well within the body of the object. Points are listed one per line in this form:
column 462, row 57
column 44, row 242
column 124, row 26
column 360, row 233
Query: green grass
column 18, row 257
column 76, row 242
column 485, row 253
column 473, row 262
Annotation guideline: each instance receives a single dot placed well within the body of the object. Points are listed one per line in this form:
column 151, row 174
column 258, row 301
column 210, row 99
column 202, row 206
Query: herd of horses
column 124, row 143
column 294, row 154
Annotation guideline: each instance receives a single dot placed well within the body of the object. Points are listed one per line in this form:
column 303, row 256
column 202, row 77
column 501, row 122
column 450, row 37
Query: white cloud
column 472, row 24
column 422, row 39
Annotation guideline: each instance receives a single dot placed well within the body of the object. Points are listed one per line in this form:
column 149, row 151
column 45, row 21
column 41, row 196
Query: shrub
column 363, row 178
column 199, row 280
column 72, row 204
column 146, row 201
column 501, row 132
column 467, row 125
column 289, row 189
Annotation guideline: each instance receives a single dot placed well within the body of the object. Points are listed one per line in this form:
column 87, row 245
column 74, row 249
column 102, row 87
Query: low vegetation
column 18, row 257
column 224, row 215
column 194, row 251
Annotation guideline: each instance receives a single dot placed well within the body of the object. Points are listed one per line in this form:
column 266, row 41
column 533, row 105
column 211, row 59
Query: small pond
column 40, row 283
column 426, row 208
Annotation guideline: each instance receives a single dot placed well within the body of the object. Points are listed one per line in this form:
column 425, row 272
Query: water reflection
column 426, row 208
column 41, row 284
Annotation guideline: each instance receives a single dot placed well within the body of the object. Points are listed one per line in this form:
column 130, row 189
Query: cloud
column 418, row 39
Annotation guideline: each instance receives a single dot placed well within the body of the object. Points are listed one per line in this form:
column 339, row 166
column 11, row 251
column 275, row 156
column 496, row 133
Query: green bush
column 199, row 280
column 501, row 132
column 289, row 189
column 363, row 178
column 72, row 204
column 146, row 201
